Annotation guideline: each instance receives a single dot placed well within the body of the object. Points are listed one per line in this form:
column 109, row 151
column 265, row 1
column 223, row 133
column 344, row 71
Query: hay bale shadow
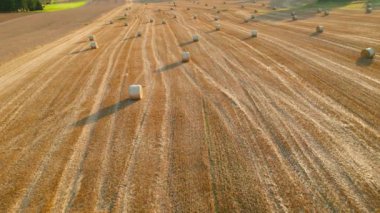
column 169, row 67
column 104, row 112
column 186, row 43
column 314, row 34
column 364, row 62
column 80, row 51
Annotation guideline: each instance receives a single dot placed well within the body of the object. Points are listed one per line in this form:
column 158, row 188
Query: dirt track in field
column 283, row 122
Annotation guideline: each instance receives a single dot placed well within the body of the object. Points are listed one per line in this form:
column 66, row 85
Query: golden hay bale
column 195, row 17
column 369, row 10
column 254, row 33
column 138, row 34
column 327, row 12
column 94, row 45
column 368, row 53
column 135, row 92
column 163, row 22
column 217, row 27
column 151, row 20
column 216, row 18
column 185, row 57
column 319, row 29
column 195, row 38
column 91, row 38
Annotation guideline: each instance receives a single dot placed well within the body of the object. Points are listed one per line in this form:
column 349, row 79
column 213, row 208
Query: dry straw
column 135, row 92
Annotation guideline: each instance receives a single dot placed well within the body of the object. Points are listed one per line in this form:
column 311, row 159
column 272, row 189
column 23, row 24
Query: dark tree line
column 20, row 5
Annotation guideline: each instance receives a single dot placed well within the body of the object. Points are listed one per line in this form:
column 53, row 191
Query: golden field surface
column 285, row 122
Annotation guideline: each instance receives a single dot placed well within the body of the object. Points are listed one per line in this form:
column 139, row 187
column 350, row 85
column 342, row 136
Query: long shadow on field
column 363, row 62
column 186, row 43
column 169, row 67
column 104, row 112
column 80, row 51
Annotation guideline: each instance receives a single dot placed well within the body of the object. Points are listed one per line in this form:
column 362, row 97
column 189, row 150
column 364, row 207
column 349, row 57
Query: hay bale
column 195, row 38
column 94, row 45
column 253, row 16
column 175, row 16
column 126, row 24
column 185, row 57
column 195, row 17
column 294, row 18
column 216, row 18
column 171, row 8
column 246, row 20
column 110, row 22
column 369, row 10
column 125, row 15
column 138, row 34
column 163, row 22
column 206, row 4
column 254, row 33
column 293, row 13
column 327, row 12
column 91, row 37
column 151, row 20
column 319, row 29
column 319, row 10
column 135, row 92
column 368, row 53
column 256, row 11
column 217, row 27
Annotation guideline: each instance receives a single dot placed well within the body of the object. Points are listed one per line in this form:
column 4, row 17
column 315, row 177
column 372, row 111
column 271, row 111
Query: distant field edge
column 63, row 6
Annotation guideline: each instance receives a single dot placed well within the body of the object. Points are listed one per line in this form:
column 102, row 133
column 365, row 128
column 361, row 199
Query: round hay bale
column 175, row 16
column 216, row 18
column 327, row 12
column 195, row 17
column 94, row 45
column 368, row 53
column 246, row 20
column 171, row 8
column 91, row 37
column 110, row 22
column 294, row 18
column 163, row 22
column 135, row 92
column 256, row 11
column 217, row 27
column 253, row 16
column 319, row 29
column 151, row 20
column 195, row 38
column 185, row 57
column 125, row 15
column 254, row 33
column 138, row 34
column 293, row 13
column 369, row 10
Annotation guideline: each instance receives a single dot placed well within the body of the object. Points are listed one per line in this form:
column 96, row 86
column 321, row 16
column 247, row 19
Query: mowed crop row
column 282, row 122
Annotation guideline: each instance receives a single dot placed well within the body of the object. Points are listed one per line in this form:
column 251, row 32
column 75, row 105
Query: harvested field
column 287, row 121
